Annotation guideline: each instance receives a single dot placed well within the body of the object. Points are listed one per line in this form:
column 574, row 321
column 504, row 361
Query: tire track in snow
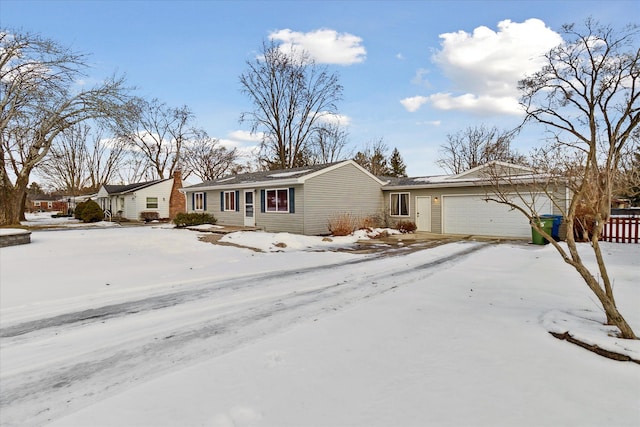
column 33, row 397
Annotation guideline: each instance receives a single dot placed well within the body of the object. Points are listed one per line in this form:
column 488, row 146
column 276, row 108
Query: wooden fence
column 622, row 230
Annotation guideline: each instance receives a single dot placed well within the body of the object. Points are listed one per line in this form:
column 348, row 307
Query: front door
column 249, row 211
column 423, row 213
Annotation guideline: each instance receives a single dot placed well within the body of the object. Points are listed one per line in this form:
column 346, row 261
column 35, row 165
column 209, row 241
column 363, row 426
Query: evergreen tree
column 398, row 168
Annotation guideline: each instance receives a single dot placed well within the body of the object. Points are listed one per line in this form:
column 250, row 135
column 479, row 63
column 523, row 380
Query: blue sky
column 412, row 71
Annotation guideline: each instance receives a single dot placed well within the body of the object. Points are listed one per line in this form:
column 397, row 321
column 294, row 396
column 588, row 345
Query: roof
column 274, row 177
column 480, row 175
column 129, row 188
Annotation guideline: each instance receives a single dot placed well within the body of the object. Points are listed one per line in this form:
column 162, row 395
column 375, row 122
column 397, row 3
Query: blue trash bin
column 555, row 229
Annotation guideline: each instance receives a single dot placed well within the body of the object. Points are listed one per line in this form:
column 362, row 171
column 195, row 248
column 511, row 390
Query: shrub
column 342, row 224
column 91, row 212
column 77, row 213
column 406, row 226
column 190, row 219
column 149, row 216
column 371, row 221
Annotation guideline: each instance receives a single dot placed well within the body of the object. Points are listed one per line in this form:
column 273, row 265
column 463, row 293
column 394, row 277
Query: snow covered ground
column 147, row 326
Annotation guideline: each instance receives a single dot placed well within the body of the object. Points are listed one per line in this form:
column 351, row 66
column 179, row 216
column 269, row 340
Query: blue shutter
column 292, row 200
column 222, row 201
column 204, row 201
column 193, row 201
column 262, row 200
column 237, row 201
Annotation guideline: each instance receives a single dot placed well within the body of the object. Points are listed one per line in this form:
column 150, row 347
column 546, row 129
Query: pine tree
column 398, row 168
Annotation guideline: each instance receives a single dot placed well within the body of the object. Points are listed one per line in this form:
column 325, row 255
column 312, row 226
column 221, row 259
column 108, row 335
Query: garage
column 470, row 214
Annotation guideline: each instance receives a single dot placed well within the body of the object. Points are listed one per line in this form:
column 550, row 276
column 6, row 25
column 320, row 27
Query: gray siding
column 346, row 189
column 281, row 221
column 213, row 208
column 436, row 207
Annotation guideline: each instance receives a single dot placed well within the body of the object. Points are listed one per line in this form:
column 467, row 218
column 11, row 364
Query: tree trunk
column 12, row 202
column 611, row 311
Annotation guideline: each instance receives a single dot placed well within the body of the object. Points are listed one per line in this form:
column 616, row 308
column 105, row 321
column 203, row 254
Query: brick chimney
column 177, row 200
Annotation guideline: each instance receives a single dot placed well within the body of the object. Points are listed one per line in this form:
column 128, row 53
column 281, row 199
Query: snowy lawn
column 450, row 336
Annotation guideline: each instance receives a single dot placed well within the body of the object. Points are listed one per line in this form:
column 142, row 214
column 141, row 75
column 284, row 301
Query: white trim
column 266, row 201
column 235, row 202
column 195, row 201
column 399, row 215
column 249, row 221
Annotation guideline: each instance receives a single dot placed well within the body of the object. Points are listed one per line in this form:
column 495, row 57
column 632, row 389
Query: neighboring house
column 303, row 200
column 130, row 200
column 300, row 200
column 47, row 203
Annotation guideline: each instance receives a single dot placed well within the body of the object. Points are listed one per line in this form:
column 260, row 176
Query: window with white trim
column 399, row 204
column 198, row 201
column 229, row 200
column 277, row 200
column 152, row 203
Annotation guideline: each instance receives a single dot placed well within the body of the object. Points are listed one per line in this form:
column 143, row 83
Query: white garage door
column 472, row 215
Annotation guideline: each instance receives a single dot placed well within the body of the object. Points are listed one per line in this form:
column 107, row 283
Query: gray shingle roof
column 263, row 177
column 127, row 188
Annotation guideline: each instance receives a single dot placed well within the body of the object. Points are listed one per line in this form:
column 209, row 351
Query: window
column 278, row 200
column 400, row 204
column 198, row 201
column 152, row 203
column 36, row 204
column 229, row 200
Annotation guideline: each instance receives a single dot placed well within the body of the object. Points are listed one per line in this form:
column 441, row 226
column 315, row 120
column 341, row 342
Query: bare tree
column 80, row 160
column 159, row 133
column 290, row 95
column 207, row 159
column 328, row 144
column 373, row 157
column 64, row 167
column 105, row 156
column 628, row 183
column 39, row 99
column 587, row 96
column 476, row 146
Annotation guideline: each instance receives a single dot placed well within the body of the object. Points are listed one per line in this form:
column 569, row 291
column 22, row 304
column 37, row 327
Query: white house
column 130, row 200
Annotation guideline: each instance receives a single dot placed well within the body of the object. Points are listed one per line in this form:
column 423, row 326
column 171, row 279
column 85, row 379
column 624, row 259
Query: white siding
column 137, row 201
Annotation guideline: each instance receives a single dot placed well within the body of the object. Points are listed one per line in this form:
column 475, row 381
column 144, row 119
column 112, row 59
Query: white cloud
column 420, row 78
column 338, row 119
column 245, row 136
column 324, row 45
column 400, row 56
column 430, row 123
column 483, row 104
column 484, row 67
column 414, row 103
